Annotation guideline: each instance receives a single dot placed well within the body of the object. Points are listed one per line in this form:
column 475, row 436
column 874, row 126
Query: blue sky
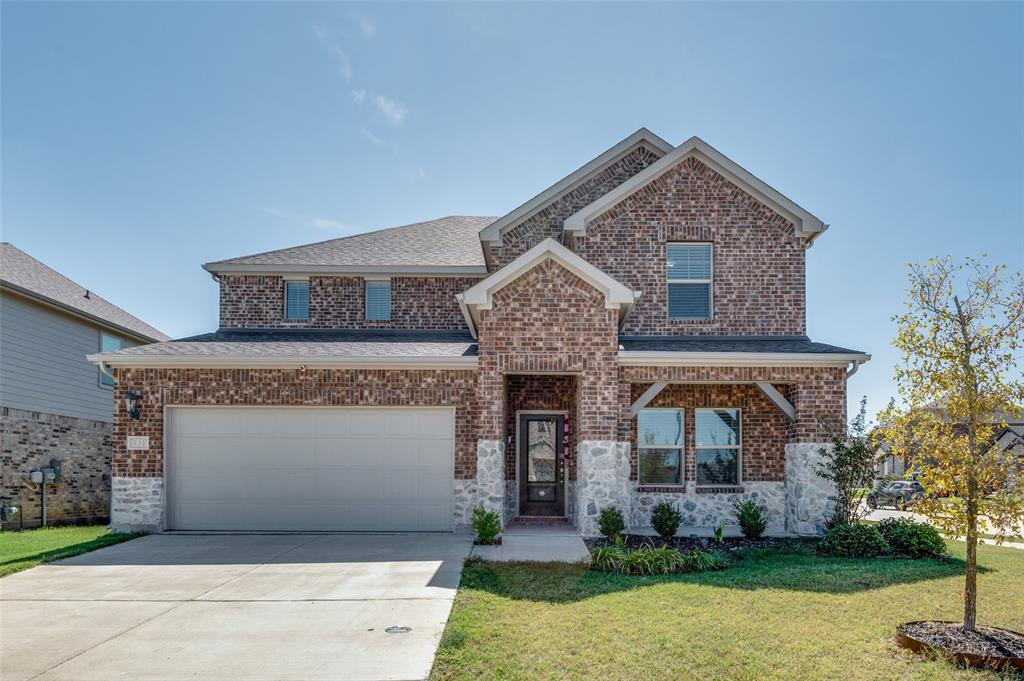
column 140, row 140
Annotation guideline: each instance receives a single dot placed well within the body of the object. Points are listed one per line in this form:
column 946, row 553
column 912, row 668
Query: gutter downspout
column 853, row 369
column 105, row 368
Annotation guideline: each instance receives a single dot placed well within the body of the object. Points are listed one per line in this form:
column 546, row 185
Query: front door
column 540, row 465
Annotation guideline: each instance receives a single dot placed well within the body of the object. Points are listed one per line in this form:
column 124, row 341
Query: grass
column 772, row 616
column 28, row 548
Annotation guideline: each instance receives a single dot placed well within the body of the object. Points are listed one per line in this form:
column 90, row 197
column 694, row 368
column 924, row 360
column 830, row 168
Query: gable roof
column 642, row 137
column 480, row 296
column 806, row 224
column 446, row 245
column 23, row 274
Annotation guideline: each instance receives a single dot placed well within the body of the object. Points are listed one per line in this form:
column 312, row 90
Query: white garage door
column 310, row 469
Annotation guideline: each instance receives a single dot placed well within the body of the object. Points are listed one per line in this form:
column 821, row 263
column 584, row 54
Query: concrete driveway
column 226, row 607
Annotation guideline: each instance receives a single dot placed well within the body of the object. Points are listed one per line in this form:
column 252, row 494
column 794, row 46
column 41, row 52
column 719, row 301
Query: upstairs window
column 718, row 446
column 296, row 300
column 378, row 301
column 659, row 439
column 689, row 281
column 109, row 343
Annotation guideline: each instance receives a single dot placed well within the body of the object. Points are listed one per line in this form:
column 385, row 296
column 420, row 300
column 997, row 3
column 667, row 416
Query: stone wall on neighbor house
column 339, row 302
column 548, row 221
column 29, row 440
column 758, row 261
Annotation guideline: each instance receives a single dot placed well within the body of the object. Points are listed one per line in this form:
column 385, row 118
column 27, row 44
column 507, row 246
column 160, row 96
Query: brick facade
column 550, row 321
column 548, row 221
column 338, row 302
column 286, row 387
column 29, row 440
column 758, row 283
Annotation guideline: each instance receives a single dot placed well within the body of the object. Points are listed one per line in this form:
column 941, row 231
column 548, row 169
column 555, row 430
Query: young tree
column 849, row 464
column 959, row 336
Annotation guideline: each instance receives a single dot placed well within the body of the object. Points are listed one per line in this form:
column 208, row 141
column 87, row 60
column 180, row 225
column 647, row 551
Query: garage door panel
column 310, row 469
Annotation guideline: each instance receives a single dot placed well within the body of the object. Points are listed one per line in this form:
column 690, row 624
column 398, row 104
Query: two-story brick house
column 633, row 333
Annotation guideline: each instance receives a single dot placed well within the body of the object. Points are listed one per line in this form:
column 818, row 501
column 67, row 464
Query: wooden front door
column 541, row 475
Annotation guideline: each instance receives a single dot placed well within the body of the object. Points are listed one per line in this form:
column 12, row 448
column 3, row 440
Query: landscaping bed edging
column 925, row 636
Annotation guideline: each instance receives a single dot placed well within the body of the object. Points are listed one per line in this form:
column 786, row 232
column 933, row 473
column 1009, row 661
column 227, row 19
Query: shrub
column 854, row 540
column 914, row 540
column 649, row 560
column 653, row 561
column 702, row 561
column 751, row 518
column 608, row 558
column 665, row 519
column 486, row 524
column 611, row 523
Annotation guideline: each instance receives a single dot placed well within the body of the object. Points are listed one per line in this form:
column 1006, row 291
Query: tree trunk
column 971, row 585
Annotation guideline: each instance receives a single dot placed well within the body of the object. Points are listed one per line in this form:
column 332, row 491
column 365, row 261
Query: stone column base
column 810, row 499
column 490, row 475
column 602, row 479
column 137, row 504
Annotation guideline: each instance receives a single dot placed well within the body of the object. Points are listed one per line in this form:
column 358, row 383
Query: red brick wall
column 540, row 392
column 257, row 301
column 763, row 428
column 549, row 320
column 815, row 392
column 548, row 222
column 286, row 387
column 759, row 264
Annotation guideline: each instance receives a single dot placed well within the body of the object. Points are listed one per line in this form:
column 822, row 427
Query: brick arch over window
column 549, row 320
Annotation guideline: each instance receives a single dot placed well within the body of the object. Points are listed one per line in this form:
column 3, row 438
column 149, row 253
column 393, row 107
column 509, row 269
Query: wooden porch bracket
column 778, row 399
column 646, row 398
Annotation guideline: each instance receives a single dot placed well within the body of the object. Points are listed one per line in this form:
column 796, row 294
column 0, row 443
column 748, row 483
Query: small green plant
column 720, row 532
column 608, row 558
column 751, row 518
column 486, row 524
column 854, row 540
column 611, row 523
column 665, row 519
column 697, row 560
column 914, row 540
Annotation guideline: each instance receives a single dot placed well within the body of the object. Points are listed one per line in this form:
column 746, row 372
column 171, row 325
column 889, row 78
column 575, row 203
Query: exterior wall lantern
column 131, row 405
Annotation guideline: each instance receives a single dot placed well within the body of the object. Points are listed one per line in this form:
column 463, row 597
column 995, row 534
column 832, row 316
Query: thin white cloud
column 341, row 59
column 392, row 111
column 373, row 138
column 310, row 221
column 359, row 96
column 366, row 25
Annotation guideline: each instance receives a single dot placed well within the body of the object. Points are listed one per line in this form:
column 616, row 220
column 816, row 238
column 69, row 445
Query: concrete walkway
column 232, row 608
column 537, row 543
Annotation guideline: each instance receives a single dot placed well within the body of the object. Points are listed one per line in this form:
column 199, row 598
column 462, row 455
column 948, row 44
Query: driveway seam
column 161, row 614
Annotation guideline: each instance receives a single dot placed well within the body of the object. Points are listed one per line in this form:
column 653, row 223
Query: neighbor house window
column 659, row 437
column 689, row 281
column 296, row 300
column 718, row 446
column 378, row 301
column 109, row 343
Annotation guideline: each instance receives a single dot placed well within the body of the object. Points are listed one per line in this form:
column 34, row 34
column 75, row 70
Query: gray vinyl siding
column 42, row 362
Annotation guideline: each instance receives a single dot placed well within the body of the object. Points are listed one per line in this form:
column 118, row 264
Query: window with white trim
column 689, row 272
column 378, row 301
column 108, row 343
column 659, row 438
column 296, row 300
column 718, row 445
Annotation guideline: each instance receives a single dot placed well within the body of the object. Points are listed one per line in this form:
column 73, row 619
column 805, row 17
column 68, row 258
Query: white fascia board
column 807, row 225
column 351, row 270
column 616, row 295
column 249, row 362
column 725, row 359
column 471, row 321
column 643, row 136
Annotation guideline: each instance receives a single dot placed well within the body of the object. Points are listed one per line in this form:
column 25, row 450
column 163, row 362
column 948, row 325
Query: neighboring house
column 642, row 321
column 55, row 404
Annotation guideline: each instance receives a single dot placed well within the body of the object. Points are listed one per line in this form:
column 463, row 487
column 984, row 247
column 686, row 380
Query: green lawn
column 772, row 617
column 28, row 548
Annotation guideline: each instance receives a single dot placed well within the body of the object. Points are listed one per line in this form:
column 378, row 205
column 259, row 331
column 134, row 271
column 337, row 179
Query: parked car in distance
column 896, row 493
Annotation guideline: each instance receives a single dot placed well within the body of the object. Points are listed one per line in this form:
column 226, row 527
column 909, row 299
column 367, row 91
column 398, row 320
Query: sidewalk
column 536, row 543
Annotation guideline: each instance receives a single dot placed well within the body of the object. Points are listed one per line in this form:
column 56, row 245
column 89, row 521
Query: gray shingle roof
column 289, row 344
column 23, row 273
column 794, row 344
column 447, row 242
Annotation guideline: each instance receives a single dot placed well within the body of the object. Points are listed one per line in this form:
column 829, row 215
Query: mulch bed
column 729, row 544
column 951, row 637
